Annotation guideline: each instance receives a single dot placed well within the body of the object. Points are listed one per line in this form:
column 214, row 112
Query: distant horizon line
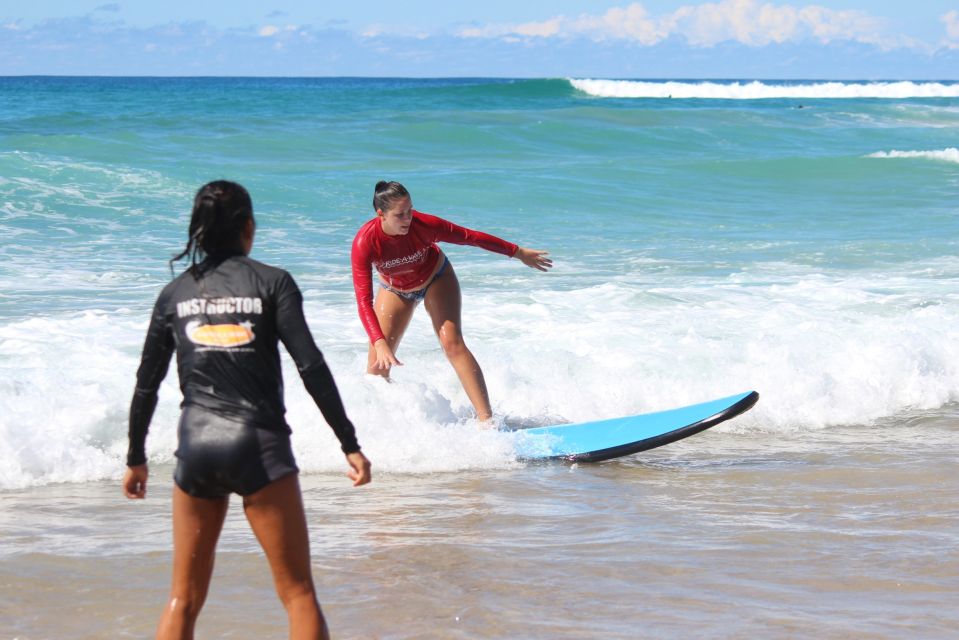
column 471, row 77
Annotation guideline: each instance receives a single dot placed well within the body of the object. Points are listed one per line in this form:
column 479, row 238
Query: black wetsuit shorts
column 217, row 455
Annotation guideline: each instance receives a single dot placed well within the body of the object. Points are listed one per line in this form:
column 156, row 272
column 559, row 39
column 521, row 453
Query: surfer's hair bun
column 386, row 193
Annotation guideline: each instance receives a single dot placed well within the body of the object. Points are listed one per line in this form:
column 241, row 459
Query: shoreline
column 732, row 535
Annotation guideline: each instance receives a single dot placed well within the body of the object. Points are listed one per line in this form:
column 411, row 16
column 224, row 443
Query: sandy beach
column 722, row 536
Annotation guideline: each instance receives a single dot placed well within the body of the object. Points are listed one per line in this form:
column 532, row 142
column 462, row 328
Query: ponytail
column 221, row 210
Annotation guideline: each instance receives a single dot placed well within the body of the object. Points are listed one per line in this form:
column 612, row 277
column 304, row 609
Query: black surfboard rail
column 740, row 407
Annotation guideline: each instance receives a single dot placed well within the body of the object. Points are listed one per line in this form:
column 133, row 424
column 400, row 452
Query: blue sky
column 827, row 39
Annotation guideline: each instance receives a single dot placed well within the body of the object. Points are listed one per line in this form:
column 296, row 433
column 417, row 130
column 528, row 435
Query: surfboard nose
column 600, row 440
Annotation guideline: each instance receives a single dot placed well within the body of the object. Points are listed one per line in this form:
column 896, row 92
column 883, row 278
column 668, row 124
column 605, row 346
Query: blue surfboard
column 616, row 437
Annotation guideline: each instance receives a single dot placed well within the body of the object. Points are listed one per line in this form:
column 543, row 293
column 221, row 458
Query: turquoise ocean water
column 797, row 238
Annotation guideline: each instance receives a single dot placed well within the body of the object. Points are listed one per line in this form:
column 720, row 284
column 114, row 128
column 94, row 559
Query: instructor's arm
column 359, row 471
column 158, row 348
column 135, row 482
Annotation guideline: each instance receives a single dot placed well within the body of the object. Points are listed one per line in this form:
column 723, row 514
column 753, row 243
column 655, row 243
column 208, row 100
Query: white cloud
column 951, row 21
column 377, row 30
column 540, row 29
column 488, row 31
column 268, row 31
column 630, row 23
column 748, row 22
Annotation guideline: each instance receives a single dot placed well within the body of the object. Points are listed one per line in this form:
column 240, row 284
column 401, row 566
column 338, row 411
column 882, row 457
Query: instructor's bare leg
column 394, row 314
column 197, row 523
column 444, row 304
column 276, row 515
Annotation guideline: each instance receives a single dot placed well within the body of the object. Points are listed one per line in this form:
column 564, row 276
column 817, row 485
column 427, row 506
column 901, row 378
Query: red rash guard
column 406, row 262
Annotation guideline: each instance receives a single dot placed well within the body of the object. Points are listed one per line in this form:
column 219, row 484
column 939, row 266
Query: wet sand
column 843, row 533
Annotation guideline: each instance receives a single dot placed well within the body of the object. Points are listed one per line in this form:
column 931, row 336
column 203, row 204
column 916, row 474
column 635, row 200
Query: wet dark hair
column 386, row 193
column 221, row 210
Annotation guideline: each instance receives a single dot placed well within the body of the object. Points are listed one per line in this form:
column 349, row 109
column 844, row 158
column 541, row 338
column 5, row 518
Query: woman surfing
column 401, row 243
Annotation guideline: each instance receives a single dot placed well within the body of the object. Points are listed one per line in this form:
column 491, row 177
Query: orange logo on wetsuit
column 220, row 335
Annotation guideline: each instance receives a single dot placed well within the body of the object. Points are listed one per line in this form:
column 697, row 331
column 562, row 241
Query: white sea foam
column 950, row 154
column 760, row 90
column 62, row 396
column 822, row 350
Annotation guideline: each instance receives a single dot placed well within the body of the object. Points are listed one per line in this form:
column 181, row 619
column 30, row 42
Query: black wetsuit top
column 225, row 326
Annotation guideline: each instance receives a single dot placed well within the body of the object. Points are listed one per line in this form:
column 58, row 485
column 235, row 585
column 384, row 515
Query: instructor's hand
column 384, row 356
column 534, row 258
column 359, row 472
column 135, row 482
